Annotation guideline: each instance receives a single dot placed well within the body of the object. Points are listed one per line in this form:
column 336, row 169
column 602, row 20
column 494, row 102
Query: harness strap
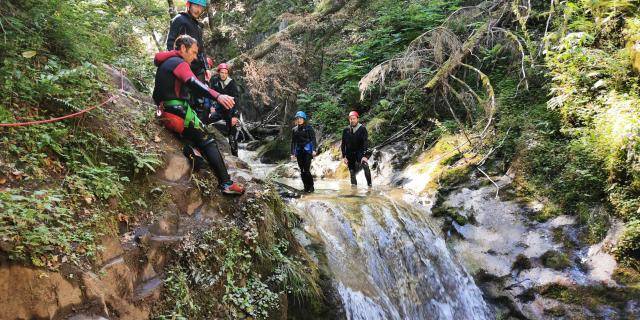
column 190, row 116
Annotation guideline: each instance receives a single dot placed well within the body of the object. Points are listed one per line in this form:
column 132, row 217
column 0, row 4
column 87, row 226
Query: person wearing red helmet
column 225, row 85
column 173, row 77
column 355, row 142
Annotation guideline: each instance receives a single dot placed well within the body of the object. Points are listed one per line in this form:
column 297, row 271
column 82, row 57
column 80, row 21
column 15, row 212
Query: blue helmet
column 198, row 2
column 301, row 114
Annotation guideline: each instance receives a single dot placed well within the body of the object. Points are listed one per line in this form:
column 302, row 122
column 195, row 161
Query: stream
column 385, row 258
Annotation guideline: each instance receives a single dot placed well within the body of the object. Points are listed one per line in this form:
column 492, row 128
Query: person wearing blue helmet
column 187, row 23
column 303, row 148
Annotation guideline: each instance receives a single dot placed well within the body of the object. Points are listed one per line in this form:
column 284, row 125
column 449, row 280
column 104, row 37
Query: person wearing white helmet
column 355, row 142
column 303, row 149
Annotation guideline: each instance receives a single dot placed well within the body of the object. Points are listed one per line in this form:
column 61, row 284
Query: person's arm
column 365, row 143
column 233, row 91
column 343, row 144
column 312, row 134
column 185, row 75
column 175, row 30
column 292, row 143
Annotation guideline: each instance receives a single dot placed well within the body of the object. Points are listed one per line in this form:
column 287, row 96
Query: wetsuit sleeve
column 343, row 144
column 365, row 137
column 312, row 134
column 185, row 75
column 175, row 29
column 292, row 143
column 233, row 90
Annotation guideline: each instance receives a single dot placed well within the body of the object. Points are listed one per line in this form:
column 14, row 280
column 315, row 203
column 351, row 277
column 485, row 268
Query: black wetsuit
column 229, row 88
column 303, row 144
column 185, row 23
column 355, row 141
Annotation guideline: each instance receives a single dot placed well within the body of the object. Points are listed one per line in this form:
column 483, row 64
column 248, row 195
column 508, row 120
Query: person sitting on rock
column 173, row 78
column 303, row 146
column 354, row 147
column 225, row 85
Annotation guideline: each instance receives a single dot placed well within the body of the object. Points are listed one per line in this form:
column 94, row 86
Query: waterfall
column 387, row 260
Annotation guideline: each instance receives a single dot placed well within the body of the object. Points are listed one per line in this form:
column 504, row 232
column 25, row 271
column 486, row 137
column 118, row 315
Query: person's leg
column 307, row 171
column 351, row 163
column 367, row 173
column 231, row 133
column 210, row 152
column 301, row 165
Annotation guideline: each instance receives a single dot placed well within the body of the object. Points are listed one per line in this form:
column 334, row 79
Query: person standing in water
column 303, row 148
column 355, row 142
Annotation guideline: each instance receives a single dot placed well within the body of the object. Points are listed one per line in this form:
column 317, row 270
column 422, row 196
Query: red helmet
column 222, row 66
column 353, row 113
column 210, row 62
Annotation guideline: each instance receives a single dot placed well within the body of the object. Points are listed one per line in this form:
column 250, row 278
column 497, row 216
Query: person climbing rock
column 225, row 85
column 173, row 78
column 354, row 148
column 187, row 23
column 303, row 148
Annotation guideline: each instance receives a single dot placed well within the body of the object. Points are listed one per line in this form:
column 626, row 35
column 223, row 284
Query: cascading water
column 387, row 261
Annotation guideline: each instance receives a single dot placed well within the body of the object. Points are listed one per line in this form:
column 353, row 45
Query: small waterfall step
column 147, row 288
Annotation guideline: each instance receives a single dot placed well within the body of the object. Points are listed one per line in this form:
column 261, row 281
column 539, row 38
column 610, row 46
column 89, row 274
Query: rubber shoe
column 233, row 189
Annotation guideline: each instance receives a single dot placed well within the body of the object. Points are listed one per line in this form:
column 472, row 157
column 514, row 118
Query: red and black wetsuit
column 174, row 83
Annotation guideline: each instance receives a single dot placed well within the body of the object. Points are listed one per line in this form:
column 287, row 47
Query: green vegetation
column 555, row 260
column 591, row 297
column 62, row 183
column 391, row 26
column 242, row 269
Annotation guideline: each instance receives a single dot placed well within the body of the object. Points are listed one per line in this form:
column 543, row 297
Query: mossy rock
column 627, row 277
column 274, row 151
column 455, row 176
column 521, row 263
column 451, row 213
column 592, row 296
column 557, row 311
column 550, row 211
column 555, row 260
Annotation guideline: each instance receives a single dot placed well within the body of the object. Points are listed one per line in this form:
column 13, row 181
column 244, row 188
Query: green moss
column 451, row 213
column 550, row 210
column 455, row 176
column 591, row 296
column 627, row 277
column 557, row 311
column 555, row 260
column 560, row 236
column 276, row 150
column 521, row 263
column 627, row 250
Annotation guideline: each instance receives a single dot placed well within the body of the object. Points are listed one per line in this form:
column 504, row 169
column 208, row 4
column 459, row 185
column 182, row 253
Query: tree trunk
column 153, row 35
column 313, row 22
column 172, row 9
column 456, row 59
column 467, row 47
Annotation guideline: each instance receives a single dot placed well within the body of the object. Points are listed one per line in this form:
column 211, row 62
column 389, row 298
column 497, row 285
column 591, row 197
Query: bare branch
column 491, row 106
column 513, row 37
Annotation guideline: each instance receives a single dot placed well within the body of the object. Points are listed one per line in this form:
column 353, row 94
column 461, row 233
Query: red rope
column 21, row 124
